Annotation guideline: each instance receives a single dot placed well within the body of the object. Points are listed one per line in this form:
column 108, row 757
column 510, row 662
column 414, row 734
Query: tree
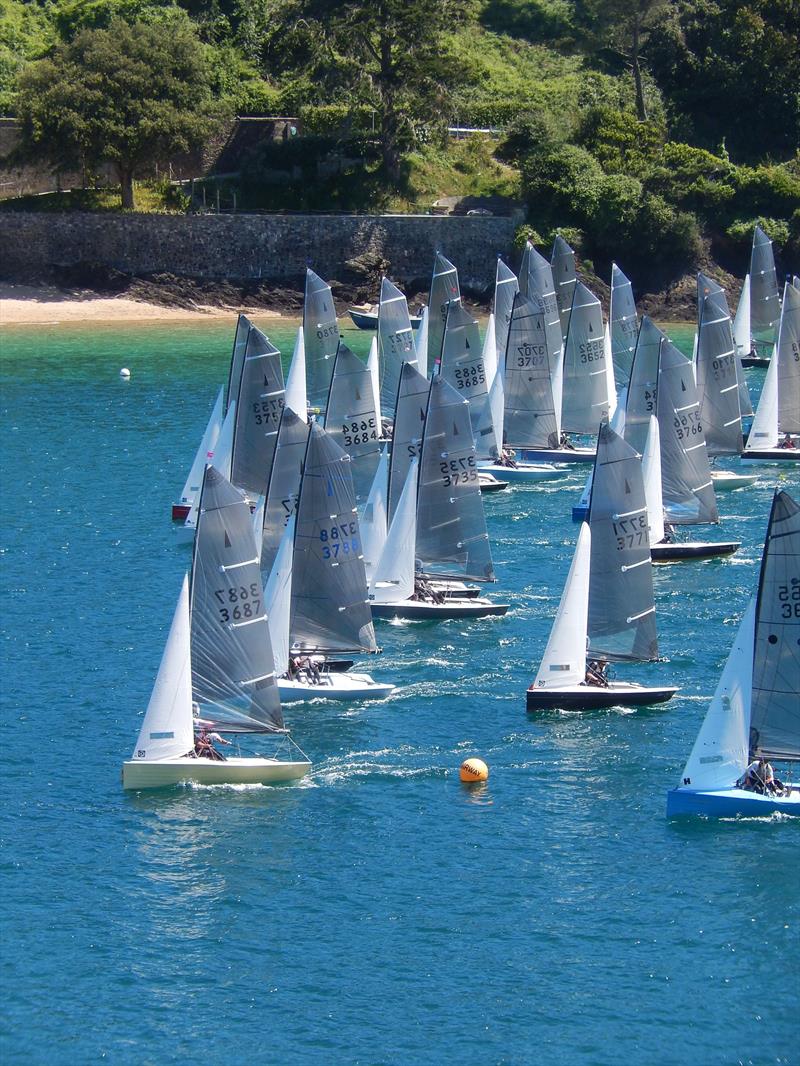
column 390, row 55
column 129, row 94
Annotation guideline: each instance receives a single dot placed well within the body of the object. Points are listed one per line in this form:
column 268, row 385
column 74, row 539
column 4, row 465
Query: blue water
column 380, row 912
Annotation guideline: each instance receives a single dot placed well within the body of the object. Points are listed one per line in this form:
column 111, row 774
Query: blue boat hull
column 730, row 803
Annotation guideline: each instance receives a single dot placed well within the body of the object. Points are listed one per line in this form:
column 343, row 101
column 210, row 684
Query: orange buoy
column 473, row 770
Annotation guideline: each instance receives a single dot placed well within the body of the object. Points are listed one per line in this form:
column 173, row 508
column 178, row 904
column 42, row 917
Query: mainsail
column 775, row 708
column 562, row 260
column 716, row 366
column 321, row 335
column 506, row 287
column 622, row 621
column 258, row 414
column 586, row 401
column 451, row 525
column 412, row 403
column 351, row 419
column 624, row 323
column 764, row 302
column 330, row 612
column 685, row 474
column 284, row 484
column 395, row 342
column 243, row 327
column 788, row 352
column 640, row 402
column 444, row 291
column 530, row 419
column 233, row 674
column 463, row 365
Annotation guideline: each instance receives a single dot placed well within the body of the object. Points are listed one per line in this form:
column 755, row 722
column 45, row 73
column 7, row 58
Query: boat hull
column 557, row 455
column 368, row 320
column 141, row 774
column 728, row 481
column 522, row 472
column 730, row 803
column 413, row 610
column 692, row 549
column 754, row 360
column 180, row 511
column 334, row 686
column 772, row 455
column 489, row 483
column 590, row 698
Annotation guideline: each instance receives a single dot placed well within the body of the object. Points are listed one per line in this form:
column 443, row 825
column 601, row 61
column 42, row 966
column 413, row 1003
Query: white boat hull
column 727, row 480
column 591, row 697
column 730, row 803
column 423, row 610
column 334, row 686
column 141, row 774
column 489, row 483
column 522, row 471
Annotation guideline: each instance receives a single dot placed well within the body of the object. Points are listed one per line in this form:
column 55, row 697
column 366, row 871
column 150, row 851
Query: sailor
column 596, row 673
column 204, row 745
column 787, row 441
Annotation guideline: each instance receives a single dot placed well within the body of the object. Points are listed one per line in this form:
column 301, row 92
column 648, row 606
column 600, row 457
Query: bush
column 535, row 130
column 619, row 141
column 562, row 184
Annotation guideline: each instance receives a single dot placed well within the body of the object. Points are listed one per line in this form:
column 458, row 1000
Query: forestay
column 395, row 343
column 775, row 708
column 687, row 487
column 716, row 367
column 622, row 621
column 412, row 403
column 624, row 323
column 284, row 484
column 764, row 302
column 321, row 335
column 586, row 401
column 444, row 291
column 451, row 525
column 530, row 419
column 233, row 674
column 258, row 414
column 562, row 260
column 463, row 364
column 330, row 612
column 351, row 419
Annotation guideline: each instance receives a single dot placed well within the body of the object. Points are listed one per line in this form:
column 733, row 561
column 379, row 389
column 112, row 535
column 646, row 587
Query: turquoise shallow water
column 381, row 911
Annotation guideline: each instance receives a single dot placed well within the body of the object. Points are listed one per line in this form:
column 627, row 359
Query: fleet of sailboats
column 351, row 492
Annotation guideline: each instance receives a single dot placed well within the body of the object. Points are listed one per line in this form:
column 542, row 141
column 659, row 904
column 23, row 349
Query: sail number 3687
column 238, row 602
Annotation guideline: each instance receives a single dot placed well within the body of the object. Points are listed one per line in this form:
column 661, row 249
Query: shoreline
column 43, row 305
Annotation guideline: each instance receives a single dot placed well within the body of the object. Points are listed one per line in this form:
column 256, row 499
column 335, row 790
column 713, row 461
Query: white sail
column 395, row 342
column 296, row 396
column 497, row 404
column 373, row 365
column 585, row 401
column 624, row 323
column 490, row 357
column 374, row 522
column 610, row 383
column 393, row 579
column 764, row 430
column 221, row 457
column 741, row 322
column 167, row 730
column 278, row 599
column 564, row 660
column 720, row 753
column 506, row 288
column 617, row 423
column 204, row 452
column 421, row 343
column 651, row 472
column 788, row 353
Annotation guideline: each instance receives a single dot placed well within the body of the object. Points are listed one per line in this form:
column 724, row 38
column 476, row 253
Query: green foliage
column 620, row 142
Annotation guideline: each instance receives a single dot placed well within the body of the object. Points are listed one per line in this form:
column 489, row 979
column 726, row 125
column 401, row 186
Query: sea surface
column 380, row 912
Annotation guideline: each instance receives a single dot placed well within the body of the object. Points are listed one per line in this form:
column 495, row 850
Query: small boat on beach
column 367, row 317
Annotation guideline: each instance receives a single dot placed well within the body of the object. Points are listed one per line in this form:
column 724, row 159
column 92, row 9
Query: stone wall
column 240, row 247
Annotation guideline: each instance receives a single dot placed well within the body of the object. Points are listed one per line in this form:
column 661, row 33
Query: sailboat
column 764, row 300
column 204, row 454
column 755, row 710
column 324, row 611
column 445, row 290
column 586, row 397
column 395, row 343
column 352, row 420
column 607, row 610
column 321, row 337
column 217, row 671
column 283, row 486
column 719, row 382
column 562, row 261
column 623, row 324
column 774, row 433
column 451, row 542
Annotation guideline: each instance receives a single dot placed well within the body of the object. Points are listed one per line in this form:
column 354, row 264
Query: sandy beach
column 24, row 305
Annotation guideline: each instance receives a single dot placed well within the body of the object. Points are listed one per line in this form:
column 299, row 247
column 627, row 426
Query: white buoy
column 125, row 373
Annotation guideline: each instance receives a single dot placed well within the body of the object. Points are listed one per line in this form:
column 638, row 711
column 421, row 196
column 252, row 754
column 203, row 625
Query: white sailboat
column 217, row 670
column 395, row 342
column 764, row 301
column 204, row 455
column 562, row 261
column 623, row 326
column 321, row 338
column 607, row 610
column 755, row 711
column 445, row 290
column 352, row 419
column 775, row 430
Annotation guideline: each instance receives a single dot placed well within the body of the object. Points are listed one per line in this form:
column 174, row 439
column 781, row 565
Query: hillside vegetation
column 655, row 132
